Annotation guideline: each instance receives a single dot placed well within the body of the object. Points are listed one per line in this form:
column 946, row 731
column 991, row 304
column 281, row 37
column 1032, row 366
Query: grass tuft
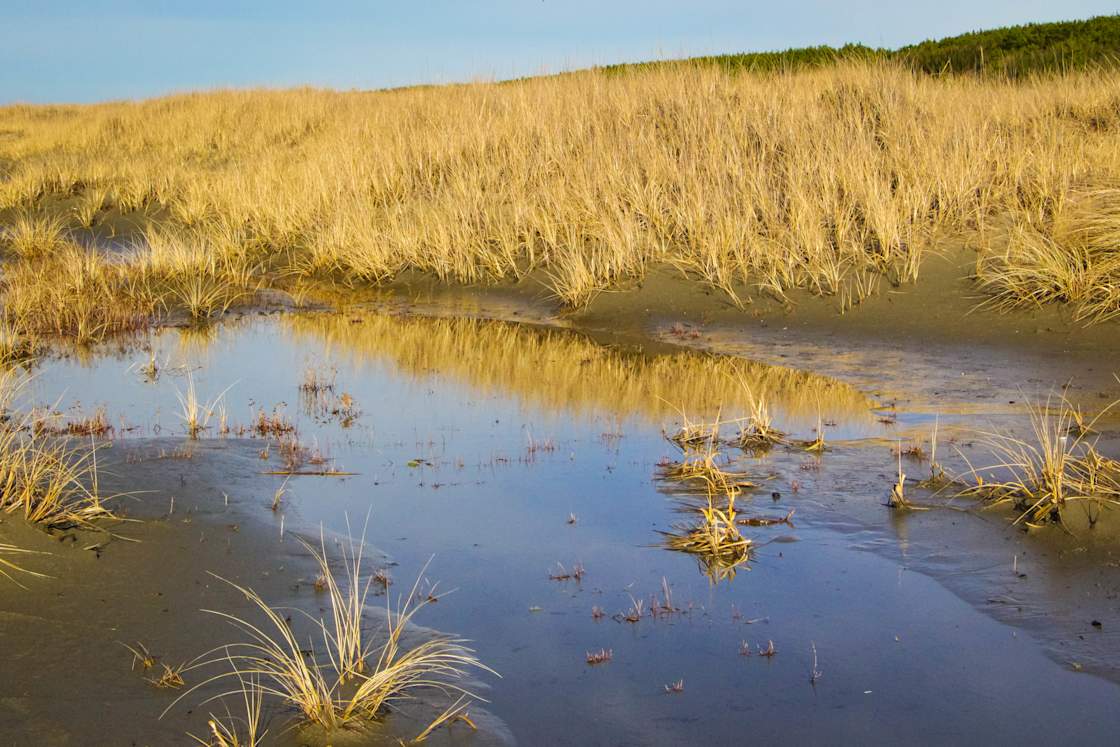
column 1057, row 466
column 45, row 478
column 351, row 681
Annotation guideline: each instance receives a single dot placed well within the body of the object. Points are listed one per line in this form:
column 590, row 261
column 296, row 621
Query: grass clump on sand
column 353, row 680
column 1056, row 467
column 46, row 479
column 30, row 236
column 53, row 285
column 73, row 293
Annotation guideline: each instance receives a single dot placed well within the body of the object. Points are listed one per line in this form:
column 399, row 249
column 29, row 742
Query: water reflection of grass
column 564, row 370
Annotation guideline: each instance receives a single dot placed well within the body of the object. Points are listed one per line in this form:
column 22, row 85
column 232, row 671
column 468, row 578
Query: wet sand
column 68, row 678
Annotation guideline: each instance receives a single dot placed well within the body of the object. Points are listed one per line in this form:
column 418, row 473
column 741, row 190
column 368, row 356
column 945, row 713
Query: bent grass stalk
column 238, row 731
column 346, row 647
column 9, row 567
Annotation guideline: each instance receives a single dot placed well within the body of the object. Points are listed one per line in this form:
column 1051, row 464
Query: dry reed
column 8, row 567
column 826, row 179
column 350, row 685
column 45, row 478
column 1057, row 466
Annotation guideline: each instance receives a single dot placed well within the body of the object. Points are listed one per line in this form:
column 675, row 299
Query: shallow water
column 474, row 442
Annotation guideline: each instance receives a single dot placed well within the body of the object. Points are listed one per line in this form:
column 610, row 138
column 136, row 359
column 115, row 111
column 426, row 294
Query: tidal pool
column 505, row 455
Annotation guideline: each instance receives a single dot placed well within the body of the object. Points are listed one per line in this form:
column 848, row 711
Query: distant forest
column 1012, row 51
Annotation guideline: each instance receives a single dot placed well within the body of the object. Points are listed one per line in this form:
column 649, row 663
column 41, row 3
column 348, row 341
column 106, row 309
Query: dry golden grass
column 757, row 433
column 15, row 345
column 349, row 646
column 827, row 179
column 351, row 681
column 195, row 413
column 713, row 539
column 1057, row 466
column 1070, row 254
column 238, row 731
column 700, row 469
column 45, row 478
column 72, row 292
column 30, row 236
column 8, row 567
column 694, row 434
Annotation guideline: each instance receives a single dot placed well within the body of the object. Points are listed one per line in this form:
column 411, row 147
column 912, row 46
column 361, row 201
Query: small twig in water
column 815, row 673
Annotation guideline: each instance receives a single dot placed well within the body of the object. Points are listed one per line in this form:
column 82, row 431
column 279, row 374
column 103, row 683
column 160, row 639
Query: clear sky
column 90, row 50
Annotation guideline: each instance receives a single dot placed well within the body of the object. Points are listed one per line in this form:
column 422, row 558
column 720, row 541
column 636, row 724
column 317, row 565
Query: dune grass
column 351, row 681
column 45, row 478
column 1056, row 466
column 15, row 346
column 349, row 647
column 1069, row 255
column 827, row 179
column 238, row 731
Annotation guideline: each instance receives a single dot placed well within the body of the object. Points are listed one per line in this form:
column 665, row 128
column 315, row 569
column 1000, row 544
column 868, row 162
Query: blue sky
column 88, row 51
